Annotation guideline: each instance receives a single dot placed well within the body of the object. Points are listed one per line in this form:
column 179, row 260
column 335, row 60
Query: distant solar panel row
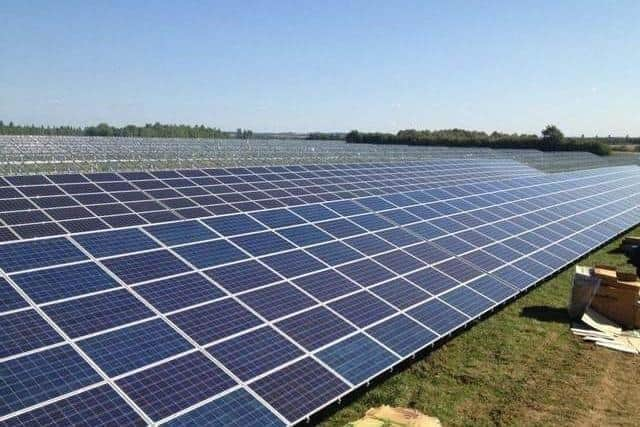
column 263, row 318
column 39, row 206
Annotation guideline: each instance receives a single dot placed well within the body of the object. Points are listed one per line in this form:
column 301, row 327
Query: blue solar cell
column 179, row 292
column 83, row 225
column 400, row 293
column 305, row 235
column 42, row 376
column 371, row 222
column 74, row 212
column 295, row 263
column 277, row 218
column 97, row 312
column 299, row 389
column 399, row 237
column 24, row 331
column 277, row 301
column 6, row 235
column 426, row 230
column 402, row 335
column 236, row 409
column 160, row 216
column 438, row 316
column 255, row 353
column 214, row 321
column 326, row 285
column 64, row 282
column 502, row 252
column 181, row 232
column 175, row 385
column 123, row 220
column 427, row 253
column 547, row 259
column 334, row 253
column 116, row 242
column 98, row 407
column 145, row 266
column 315, row 328
column 515, row 276
column 242, row 276
column 369, row 244
column 9, row 298
column 341, row 228
column 262, row 243
column 454, row 245
column 23, row 217
column 399, row 261
column 234, row 224
column 460, row 271
column 400, row 216
column 126, row 349
column 357, row 358
column 346, row 207
column 483, row 260
column 376, row 204
column 362, row 308
column 432, row 281
column 39, row 253
column 45, row 229
column 366, row 272
column 470, row 303
column 492, row 288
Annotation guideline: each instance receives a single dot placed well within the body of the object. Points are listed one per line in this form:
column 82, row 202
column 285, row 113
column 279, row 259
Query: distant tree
column 551, row 135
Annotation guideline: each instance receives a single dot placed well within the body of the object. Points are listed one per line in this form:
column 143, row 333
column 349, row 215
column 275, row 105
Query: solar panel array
column 38, row 206
column 263, row 316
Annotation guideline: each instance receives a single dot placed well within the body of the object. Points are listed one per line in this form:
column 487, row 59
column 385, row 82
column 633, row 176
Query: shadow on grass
column 546, row 314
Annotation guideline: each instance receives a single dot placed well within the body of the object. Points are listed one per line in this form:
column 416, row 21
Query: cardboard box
column 619, row 302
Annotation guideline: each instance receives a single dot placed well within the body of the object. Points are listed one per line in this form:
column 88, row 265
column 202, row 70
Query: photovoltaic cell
column 277, row 301
column 175, row 385
column 24, row 331
column 236, row 409
column 255, row 352
column 9, row 298
column 262, row 243
column 326, row 285
column 300, row 388
column 145, row 266
column 362, row 308
column 64, row 282
column 366, row 272
column 211, row 322
column 38, row 253
column 314, row 328
column 402, row 335
column 438, row 316
column 37, row 377
column 464, row 299
column 400, row 293
column 135, row 346
column 97, row 407
column 118, row 242
column 179, row 292
column 181, row 232
column 357, row 358
column 294, row 263
column 234, row 224
column 97, row 312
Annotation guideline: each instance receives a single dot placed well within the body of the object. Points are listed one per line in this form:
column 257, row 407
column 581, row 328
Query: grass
column 520, row 366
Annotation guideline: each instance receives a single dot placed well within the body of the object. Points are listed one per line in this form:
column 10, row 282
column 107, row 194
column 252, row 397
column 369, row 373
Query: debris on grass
column 387, row 416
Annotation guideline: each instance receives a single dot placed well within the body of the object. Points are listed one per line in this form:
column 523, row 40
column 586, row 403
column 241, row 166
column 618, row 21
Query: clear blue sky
column 324, row 65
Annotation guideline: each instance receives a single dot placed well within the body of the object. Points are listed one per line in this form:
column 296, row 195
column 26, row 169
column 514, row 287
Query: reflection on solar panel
column 259, row 295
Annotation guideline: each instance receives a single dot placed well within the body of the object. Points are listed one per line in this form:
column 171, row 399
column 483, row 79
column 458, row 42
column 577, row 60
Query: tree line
column 155, row 130
column 550, row 139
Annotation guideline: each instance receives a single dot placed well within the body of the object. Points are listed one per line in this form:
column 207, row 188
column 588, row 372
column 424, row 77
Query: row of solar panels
column 276, row 313
column 38, row 206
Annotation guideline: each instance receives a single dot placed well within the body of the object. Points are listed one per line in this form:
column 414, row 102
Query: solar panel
column 257, row 308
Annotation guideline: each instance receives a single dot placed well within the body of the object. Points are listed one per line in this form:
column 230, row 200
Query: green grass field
column 520, row 366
